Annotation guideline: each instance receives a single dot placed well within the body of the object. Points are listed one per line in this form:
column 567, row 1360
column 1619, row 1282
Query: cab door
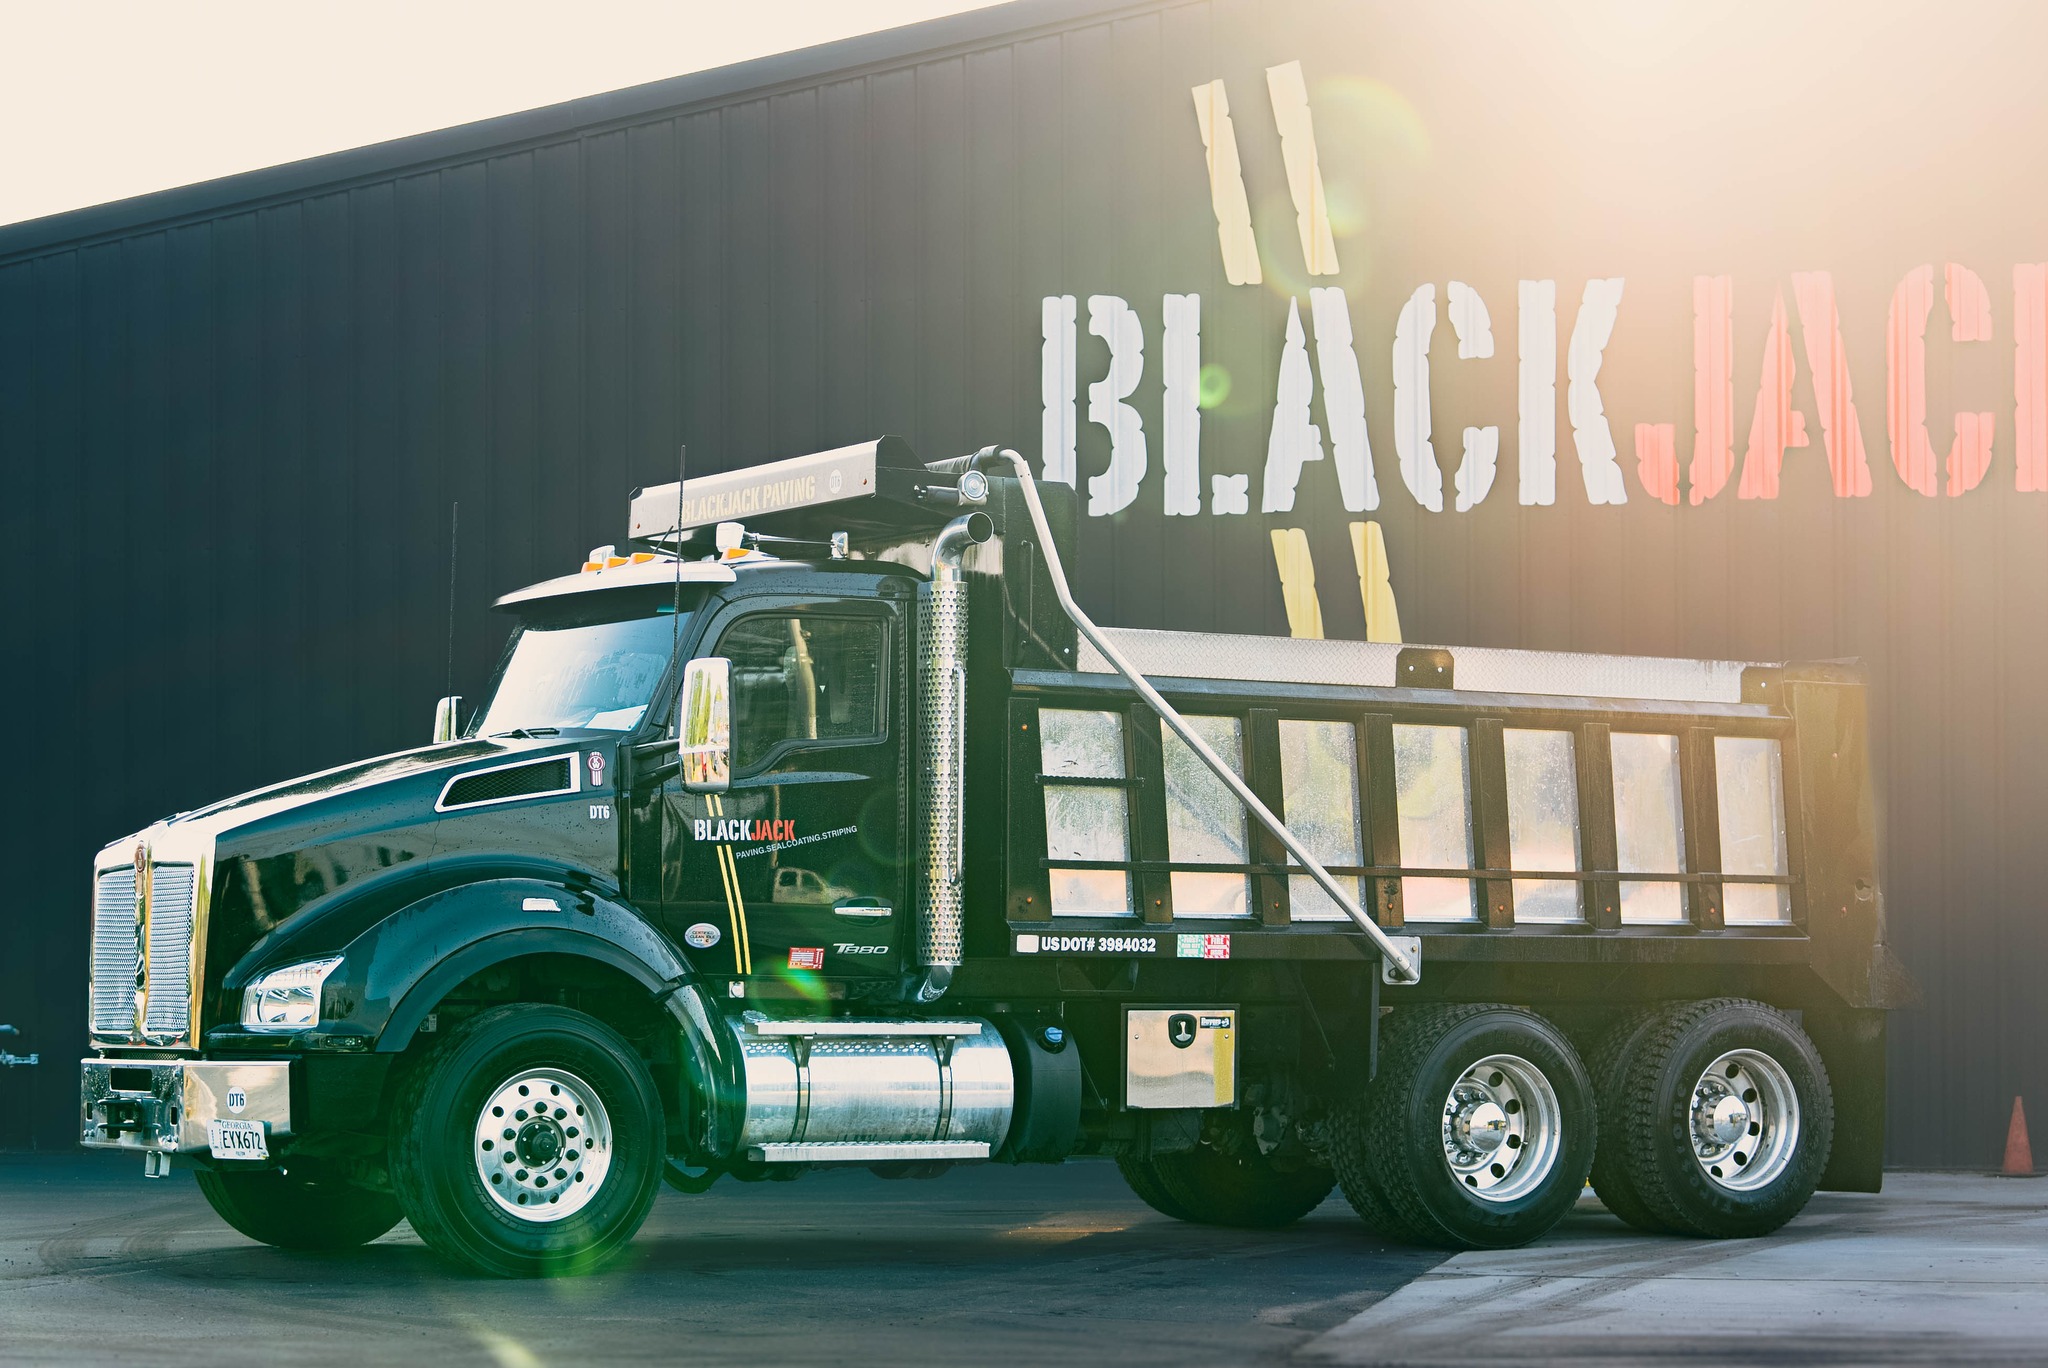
column 796, row 875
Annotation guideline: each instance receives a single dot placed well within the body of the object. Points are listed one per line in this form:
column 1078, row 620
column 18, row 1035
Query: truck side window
column 1085, row 821
column 1543, row 822
column 1205, row 822
column 1319, row 790
column 803, row 677
column 1433, row 807
column 1749, row 773
column 1649, row 824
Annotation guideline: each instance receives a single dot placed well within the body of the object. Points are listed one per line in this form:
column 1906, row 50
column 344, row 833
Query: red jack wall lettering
column 1657, row 460
column 2030, row 376
column 1820, row 323
column 1775, row 425
column 1969, row 307
column 1713, row 386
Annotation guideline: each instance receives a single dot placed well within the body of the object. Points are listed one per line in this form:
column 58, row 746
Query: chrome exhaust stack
column 942, row 710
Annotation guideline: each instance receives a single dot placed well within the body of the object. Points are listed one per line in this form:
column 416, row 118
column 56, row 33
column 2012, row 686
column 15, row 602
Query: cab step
column 865, row 1151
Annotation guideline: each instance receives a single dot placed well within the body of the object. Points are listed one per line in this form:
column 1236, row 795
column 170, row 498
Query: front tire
column 1478, row 1131
column 530, row 1143
column 1729, row 1119
column 301, row 1206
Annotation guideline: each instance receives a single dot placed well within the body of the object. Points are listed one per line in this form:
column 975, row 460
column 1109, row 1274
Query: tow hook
column 123, row 1117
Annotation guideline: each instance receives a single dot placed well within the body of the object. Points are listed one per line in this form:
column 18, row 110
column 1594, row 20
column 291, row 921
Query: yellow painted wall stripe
column 1298, row 583
column 1375, row 582
column 1289, row 92
column 1226, row 186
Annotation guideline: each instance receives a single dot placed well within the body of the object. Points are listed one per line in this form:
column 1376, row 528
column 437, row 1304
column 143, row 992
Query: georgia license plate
column 237, row 1140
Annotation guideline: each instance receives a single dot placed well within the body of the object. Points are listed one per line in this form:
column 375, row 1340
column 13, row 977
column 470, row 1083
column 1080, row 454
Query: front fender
column 395, row 972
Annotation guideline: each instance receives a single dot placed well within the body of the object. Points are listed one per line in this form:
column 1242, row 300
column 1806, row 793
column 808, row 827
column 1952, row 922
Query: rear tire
column 301, row 1206
column 1729, row 1119
column 1479, row 1130
column 529, row 1143
column 1209, row 1187
column 1358, row 1170
column 1138, row 1172
column 1608, row 1066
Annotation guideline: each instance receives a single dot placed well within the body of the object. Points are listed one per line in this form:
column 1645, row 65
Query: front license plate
column 237, row 1140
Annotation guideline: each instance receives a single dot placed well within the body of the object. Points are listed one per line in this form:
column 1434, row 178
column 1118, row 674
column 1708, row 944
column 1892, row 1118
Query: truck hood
column 281, row 853
column 198, row 830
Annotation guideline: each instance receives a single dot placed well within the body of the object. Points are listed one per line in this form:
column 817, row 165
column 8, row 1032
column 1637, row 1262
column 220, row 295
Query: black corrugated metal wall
column 233, row 419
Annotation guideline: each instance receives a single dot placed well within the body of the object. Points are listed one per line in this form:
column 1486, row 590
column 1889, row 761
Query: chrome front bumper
column 162, row 1106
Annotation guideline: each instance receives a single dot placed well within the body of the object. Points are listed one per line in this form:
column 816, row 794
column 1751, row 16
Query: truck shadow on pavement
column 987, row 1266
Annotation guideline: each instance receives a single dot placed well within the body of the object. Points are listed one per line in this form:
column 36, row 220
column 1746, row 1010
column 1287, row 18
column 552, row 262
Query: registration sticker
column 1202, row 947
column 237, row 1139
column 807, row 957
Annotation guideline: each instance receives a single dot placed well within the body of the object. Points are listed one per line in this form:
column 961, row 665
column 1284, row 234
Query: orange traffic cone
column 2019, row 1155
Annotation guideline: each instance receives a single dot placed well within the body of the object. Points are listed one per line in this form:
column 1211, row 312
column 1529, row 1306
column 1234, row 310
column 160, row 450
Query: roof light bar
column 878, row 485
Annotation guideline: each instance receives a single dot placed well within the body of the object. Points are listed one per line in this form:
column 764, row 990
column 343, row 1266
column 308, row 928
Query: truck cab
column 815, row 824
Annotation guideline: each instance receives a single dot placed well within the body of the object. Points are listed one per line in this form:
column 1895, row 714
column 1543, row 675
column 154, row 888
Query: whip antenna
column 676, row 612
column 454, row 529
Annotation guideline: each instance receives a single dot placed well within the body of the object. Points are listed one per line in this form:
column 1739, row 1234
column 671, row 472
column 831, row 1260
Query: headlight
column 286, row 999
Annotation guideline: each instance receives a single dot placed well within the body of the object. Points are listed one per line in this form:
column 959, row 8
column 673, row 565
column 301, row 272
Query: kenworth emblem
column 141, row 936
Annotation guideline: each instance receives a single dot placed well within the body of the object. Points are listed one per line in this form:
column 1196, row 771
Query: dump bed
column 1543, row 819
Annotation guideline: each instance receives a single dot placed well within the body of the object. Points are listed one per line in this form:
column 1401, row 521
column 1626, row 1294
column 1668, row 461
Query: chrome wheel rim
column 1502, row 1128
column 543, row 1145
column 1744, row 1120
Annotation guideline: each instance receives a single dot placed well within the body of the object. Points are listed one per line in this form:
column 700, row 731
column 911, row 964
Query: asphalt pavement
column 997, row 1266
column 983, row 1265
column 1939, row 1268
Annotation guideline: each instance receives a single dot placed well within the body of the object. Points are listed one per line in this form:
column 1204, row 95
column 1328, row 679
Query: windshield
column 596, row 675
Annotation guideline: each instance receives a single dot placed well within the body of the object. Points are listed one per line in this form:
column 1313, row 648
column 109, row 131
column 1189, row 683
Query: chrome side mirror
column 447, row 718
column 704, row 739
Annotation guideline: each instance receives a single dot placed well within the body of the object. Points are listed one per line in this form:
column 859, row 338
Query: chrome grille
column 170, row 950
column 173, row 898
column 113, row 952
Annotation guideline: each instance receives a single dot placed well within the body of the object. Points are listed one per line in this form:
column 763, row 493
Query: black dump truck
column 816, row 824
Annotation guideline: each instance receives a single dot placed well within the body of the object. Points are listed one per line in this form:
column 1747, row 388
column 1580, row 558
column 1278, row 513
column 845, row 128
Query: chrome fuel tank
column 865, row 1091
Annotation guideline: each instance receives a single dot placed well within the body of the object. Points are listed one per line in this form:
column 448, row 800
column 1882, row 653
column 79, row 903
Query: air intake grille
column 172, row 895
column 514, row 781
column 113, row 953
column 170, row 950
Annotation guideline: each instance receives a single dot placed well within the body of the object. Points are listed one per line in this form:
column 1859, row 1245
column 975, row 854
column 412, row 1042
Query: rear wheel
column 1478, row 1131
column 301, row 1206
column 530, row 1142
column 1728, row 1119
